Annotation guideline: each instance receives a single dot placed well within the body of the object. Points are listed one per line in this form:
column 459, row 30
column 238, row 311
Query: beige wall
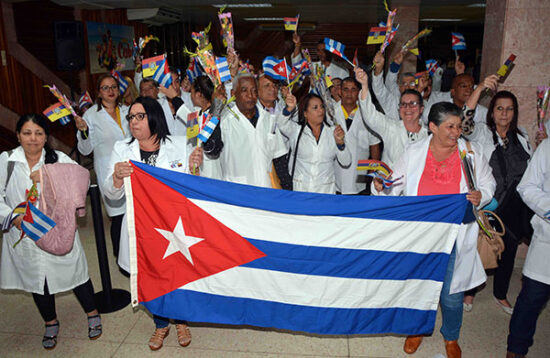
column 519, row 27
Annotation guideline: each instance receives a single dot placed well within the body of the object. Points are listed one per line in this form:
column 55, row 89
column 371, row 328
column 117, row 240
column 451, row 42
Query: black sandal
column 94, row 327
column 49, row 341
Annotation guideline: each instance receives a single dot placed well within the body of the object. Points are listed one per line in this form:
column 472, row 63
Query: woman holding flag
column 150, row 143
column 202, row 91
column 315, row 145
column 103, row 124
column 442, row 163
column 25, row 266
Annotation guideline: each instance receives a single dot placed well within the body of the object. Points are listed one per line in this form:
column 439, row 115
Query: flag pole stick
column 286, row 71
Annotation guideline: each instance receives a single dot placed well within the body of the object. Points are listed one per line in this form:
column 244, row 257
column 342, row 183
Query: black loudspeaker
column 69, row 47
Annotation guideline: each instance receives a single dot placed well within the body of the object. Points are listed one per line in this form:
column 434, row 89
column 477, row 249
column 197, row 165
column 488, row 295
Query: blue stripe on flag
column 203, row 307
column 438, row 208
column 348, row 263
column 223, row 69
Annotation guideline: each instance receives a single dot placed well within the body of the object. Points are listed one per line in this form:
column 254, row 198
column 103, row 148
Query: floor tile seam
column 126, row 337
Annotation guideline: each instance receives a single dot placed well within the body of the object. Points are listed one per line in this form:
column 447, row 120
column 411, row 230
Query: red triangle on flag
column 200, row 245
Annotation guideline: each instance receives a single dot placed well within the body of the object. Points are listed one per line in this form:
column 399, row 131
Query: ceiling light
column 243, row 5
column 263, row 19
column 477, row 5
column 441, row 20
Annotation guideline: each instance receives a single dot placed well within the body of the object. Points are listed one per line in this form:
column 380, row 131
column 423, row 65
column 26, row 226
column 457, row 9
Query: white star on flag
column 179, row 241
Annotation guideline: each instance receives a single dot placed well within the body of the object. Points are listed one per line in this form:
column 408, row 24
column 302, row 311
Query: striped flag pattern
column 35, row 223
column 223, row 69
column 208, row 127
column 457, row 41
column 162, row 74
column 122, row 83
column 335, row 47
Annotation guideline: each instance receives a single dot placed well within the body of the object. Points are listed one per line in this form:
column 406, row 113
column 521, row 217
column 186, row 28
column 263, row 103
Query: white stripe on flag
column 357, row 233
column 304, row 290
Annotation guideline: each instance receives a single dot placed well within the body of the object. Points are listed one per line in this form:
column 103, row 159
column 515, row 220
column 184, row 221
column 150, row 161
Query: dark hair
column 416, row 93
column 40, row 120
column 491, row 120
column 302, row 107
column 155, row 118
column 98, row 99
column 204, row 86
column 147, row 80
column 441, row 110
column 175, row 72
column 352, row 80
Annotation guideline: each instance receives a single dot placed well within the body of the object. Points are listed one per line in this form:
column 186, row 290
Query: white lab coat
column 173, row 155
column 103, row 132
column 249, row 151
column 391, row 130
column 210, row 168
column 27, row 266
column 186, row 98
column 534, row 189
column 171, row 122
column 358, row 141
column 315, row 162
column 483, row 135
column 468, row 269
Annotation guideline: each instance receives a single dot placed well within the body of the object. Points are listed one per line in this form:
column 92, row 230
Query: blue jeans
column 531, row 300
column 161, row 322
column 451, row 305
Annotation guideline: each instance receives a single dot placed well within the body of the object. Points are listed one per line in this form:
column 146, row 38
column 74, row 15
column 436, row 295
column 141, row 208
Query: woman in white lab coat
column 315, row 145
column 151, row 144
column 507, row 148
column 103, row 124
column 433, row 166
column 534, row 189
column 26, row 266
column 202, row 90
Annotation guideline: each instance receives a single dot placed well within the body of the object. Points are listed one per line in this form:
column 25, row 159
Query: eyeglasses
column 138, row 116
column 408, row 104
column 106, row 88
column 410, row 84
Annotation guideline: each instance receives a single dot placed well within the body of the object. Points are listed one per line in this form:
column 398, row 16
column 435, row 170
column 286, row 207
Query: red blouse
column 441, row 177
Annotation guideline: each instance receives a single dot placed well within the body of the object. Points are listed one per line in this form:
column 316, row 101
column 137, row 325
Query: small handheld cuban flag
column 291, row 23
column 162, row 74
column 85, row 100
column 209, row 124
column 223, row 69
column 122, row 83
column 194, row 70
column 35, row 223
column 58, row 112
column 431, row 66
column 457, row 41
column 274, row 68
column 335, row 47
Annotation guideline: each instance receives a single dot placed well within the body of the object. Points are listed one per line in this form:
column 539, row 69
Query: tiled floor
column 126, row 332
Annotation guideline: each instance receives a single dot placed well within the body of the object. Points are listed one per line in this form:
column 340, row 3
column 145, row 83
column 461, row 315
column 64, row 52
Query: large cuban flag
column 205, row 250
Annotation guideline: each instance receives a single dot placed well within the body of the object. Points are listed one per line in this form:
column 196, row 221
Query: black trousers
column 116, row 225
column 46, row 302
column 503, row 273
